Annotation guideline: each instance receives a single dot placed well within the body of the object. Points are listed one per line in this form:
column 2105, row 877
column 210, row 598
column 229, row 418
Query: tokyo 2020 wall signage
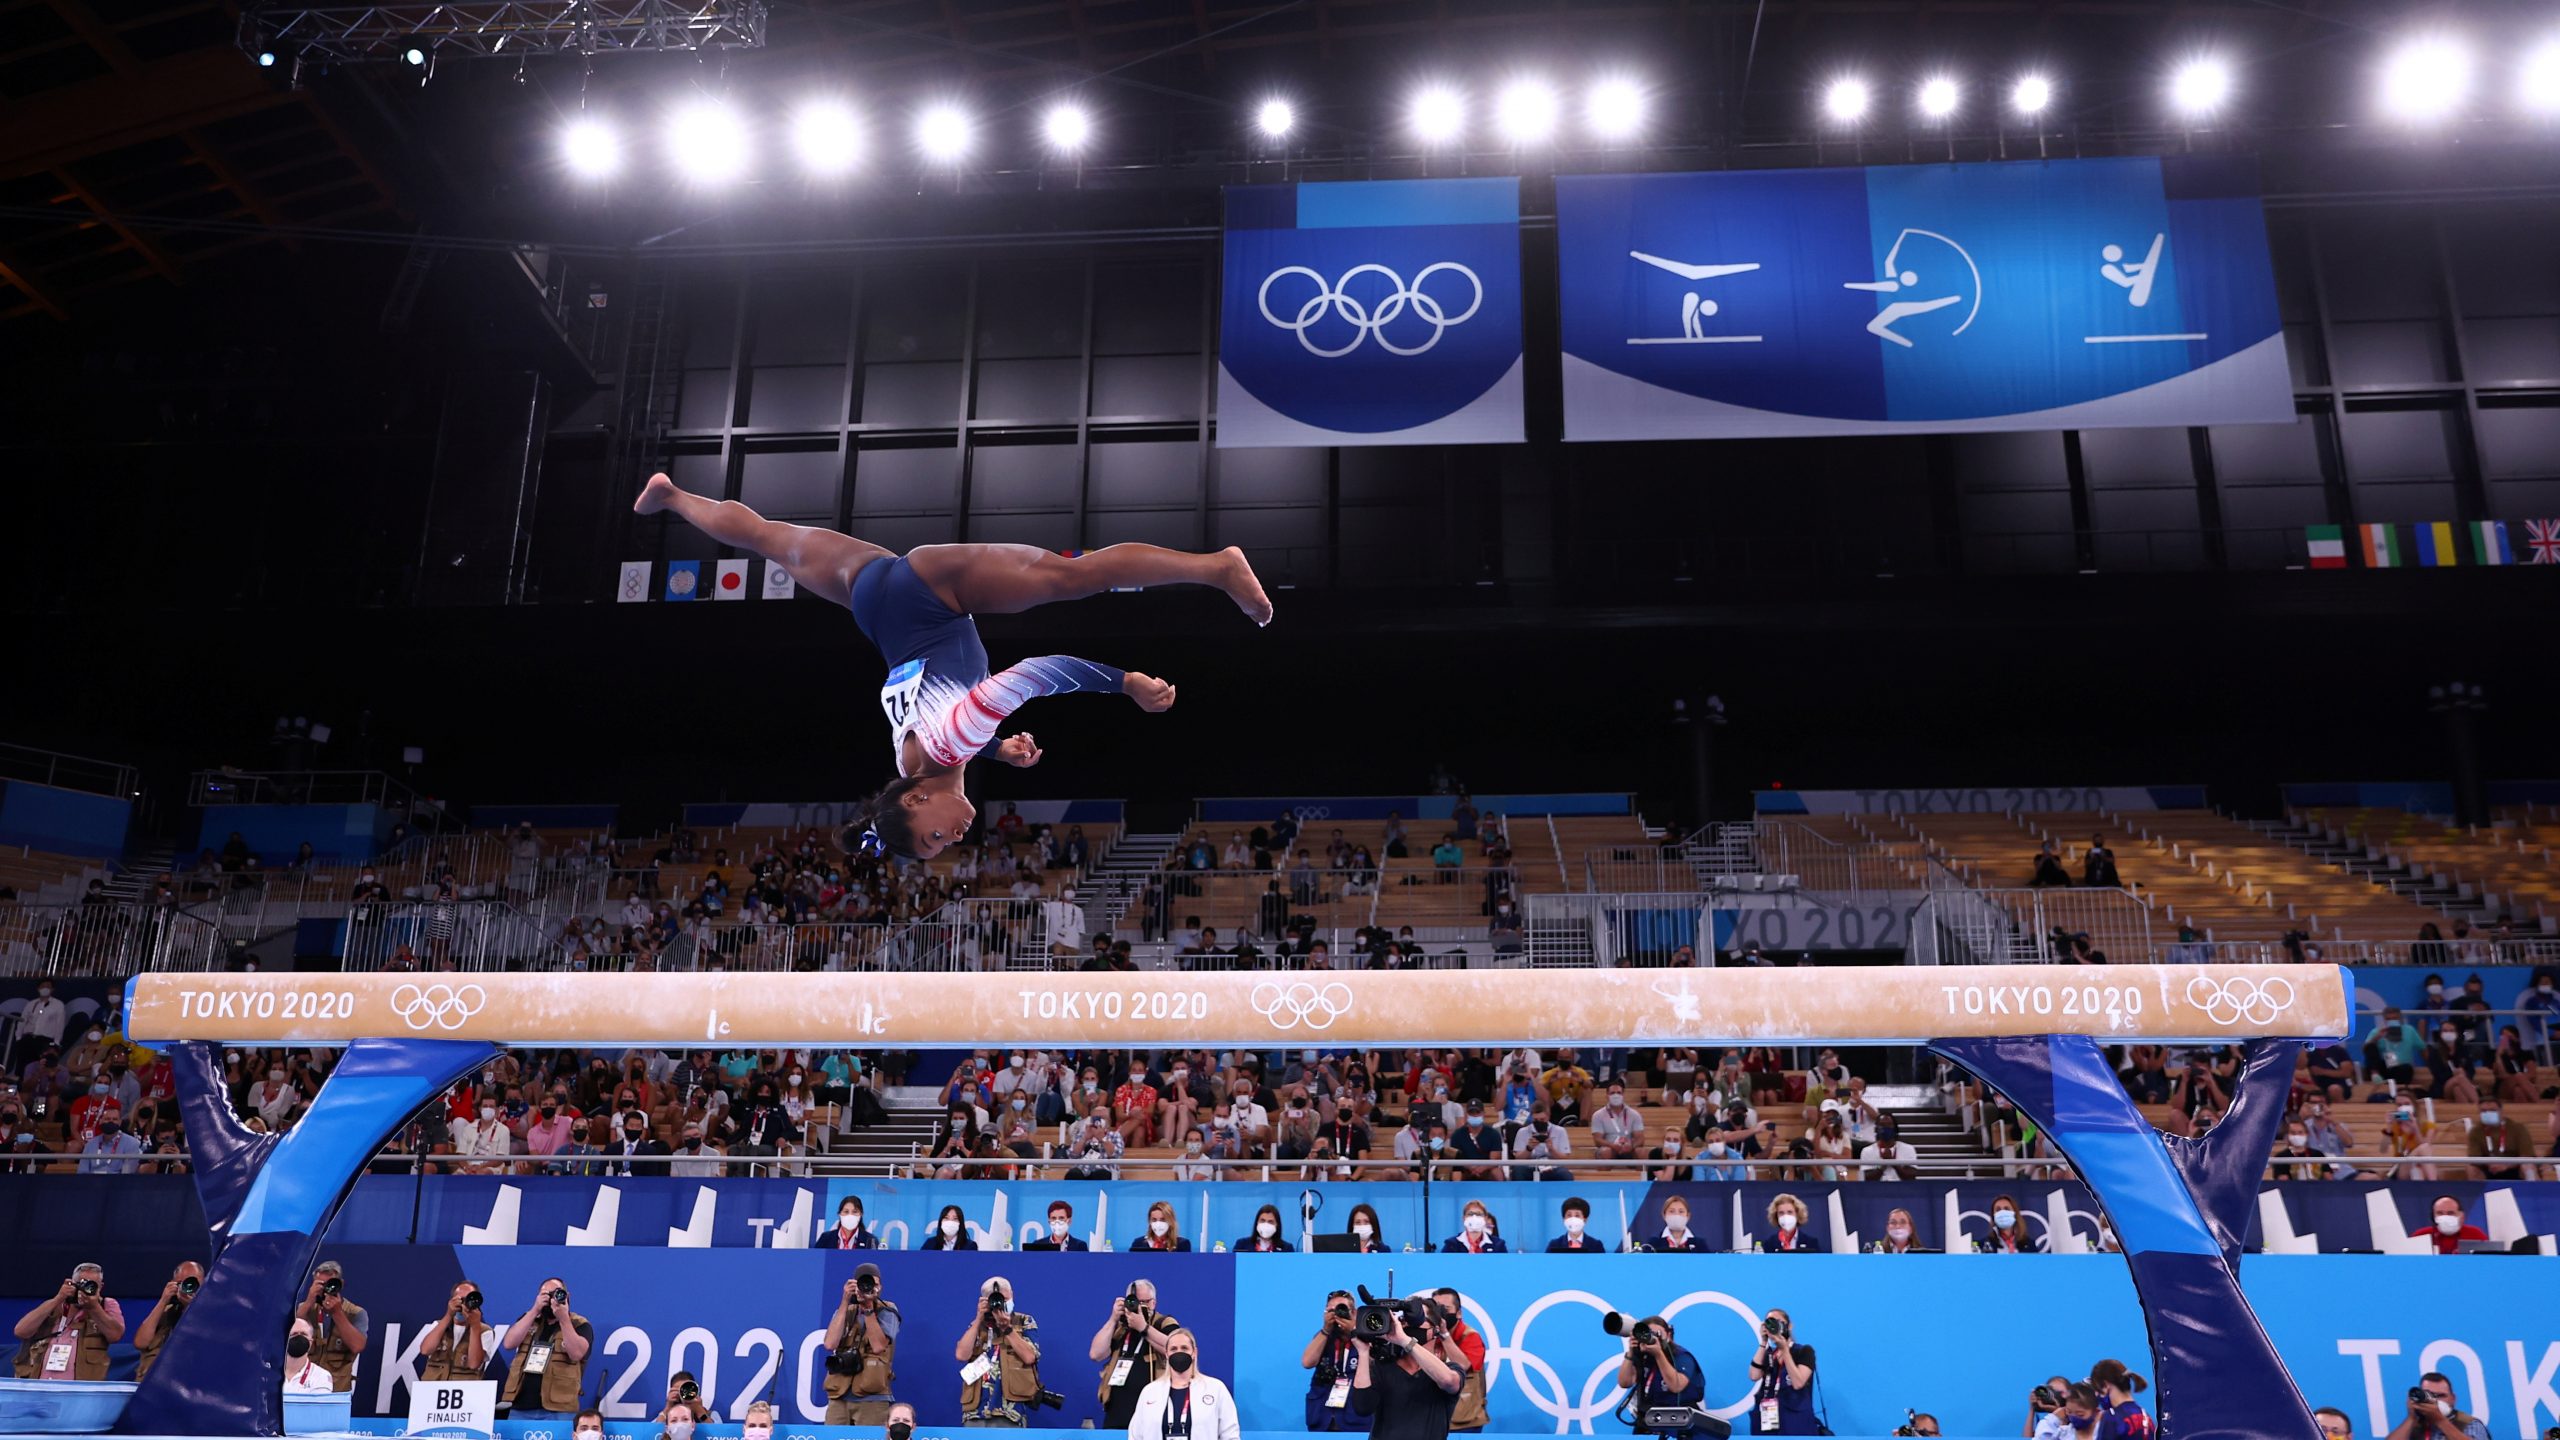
column 2033, row 295
column 1379, row 312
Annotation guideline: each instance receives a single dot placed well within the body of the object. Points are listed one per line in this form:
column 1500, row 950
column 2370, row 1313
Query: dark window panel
column 795, row 485
column 703, row 401
column 2520, row 443
column 2246, row 455
column 1146, row 310
column 2137, row 459
column 801, row 318
column 2391, row 352
column 1144, row 472
column 894, row 479
column 913, row 313
column 1027, row 390
column 1266, row 477
column 800, row 397
column 1029, row 311
column 2398, row 445
column 2513, row 351
column 710, row 304
column 921, row 394
column 1149, row 385
column 1023, row 477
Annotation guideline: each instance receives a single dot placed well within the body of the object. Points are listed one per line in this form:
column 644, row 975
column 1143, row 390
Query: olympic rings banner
column 1383, row 312
column 2035, row 295
column 1897, row 1005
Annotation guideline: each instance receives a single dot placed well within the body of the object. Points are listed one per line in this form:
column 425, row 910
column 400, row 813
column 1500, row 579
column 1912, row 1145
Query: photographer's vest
column 1021, row 1383
column 88, row 1363
column 878, row 1367
column 449, row 1358
column 1470, row 1411
column 150, row 1354
column 1149, row 1365
column 329, row 1351
column 563, row 1380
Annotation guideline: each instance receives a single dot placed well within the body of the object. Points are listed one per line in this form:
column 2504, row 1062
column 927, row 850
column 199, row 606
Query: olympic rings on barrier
column 2241, row 998
column 1600, row 1392
column 438, row 1006
column 1299, row 1003
column 1335, row 298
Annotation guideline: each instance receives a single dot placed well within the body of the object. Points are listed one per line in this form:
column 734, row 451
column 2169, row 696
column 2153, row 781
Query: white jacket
column 1213, row 1411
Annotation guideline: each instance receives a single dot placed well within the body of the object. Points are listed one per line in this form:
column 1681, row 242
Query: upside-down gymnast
column 919, row 608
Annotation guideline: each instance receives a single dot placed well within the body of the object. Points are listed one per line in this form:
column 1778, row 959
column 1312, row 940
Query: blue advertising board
column 1383, row 312
column 2032, row 295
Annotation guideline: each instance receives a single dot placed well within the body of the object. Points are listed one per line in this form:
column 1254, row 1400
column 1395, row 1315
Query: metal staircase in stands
column 1121, row 873
column 2375, row 868
column 886, row 1148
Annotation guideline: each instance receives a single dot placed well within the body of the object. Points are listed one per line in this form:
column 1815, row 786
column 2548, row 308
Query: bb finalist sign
column 2194, row 1004
column 2030, row 295
column 453, row 1409
column 1383, row 312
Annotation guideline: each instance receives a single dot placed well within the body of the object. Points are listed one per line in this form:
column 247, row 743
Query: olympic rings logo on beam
column 438, row 1006
column 1298, row 1003
column 1600, row 1391
column 2241, row 998
column 1335, row 298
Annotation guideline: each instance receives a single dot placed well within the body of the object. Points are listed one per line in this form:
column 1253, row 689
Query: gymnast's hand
column 1019, row 750
column 1153, row 695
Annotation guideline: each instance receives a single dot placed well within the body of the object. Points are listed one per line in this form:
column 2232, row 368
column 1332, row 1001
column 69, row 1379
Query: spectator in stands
column 2329, row 1071
column 633, row 1152
column 2196, row 1091
column 552, row 1130
column 2008, row 1232
column 1193, row 1163
column 1831, row 1148
column 2393, row 1049
column 1446, row 857
column 109, row 1150
column 763, row 1127
column 1475, row 1145
column 1507, row 929
column 2297, row 1148
column 40, row 1026
column 1476, row 1233
column 2449, row 1066
column 2047, row 869
column 2538, row 1008
column 1617, row 1131
column 484, row 1144
column 1462, row 818
column 1787, row 1233
column 2500, row 1145
column 2098, row 864
column 2447, row 1228
column 1392, row 838
column 66, row 1337
column 1565, row 1083
column 2433, row 1415
column 2405, row 1135
column 1164, row 1230
column 2515, row 1075
column 1670, row 1159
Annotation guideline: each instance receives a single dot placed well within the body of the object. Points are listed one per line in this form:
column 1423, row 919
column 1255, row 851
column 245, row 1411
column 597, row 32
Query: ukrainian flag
column 2435, row 543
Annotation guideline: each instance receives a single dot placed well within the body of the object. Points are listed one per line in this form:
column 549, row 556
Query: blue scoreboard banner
column 1381, row 312
column 2034, row 295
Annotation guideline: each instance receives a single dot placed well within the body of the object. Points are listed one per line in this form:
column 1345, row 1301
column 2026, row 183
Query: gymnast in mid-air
column 919, row 609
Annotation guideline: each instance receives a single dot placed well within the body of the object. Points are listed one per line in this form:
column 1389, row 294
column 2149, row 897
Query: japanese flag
column 635, row 582
column 732, row 583
column 777, row 582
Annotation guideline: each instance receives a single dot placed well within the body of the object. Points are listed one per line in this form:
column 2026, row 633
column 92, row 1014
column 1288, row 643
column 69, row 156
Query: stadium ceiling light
column 708, row 141
column 1067, row 128
column 1525, row 112
column 1938, row 97
column 1438, row 114
column 1615, row 109
column 1275, row 119
column 2538, row 84
column 2200, row 86
column 591, row 148
column 943, row 132
column 414, row 55
column 1845, row 100
column 2425, row 79
column 828, row 137
column 2031, row 94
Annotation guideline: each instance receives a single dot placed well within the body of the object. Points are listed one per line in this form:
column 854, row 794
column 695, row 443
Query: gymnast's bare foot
column 657, row 495
column 1241, row 585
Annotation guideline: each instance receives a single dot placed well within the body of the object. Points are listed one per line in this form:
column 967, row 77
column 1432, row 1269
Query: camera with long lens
column 866, row 1284
column 1911, row 1425
column 188, row 1286
column 1638, row 1334
column 1375, row 1321
column 472, row 1299
column 85, row 1287
column 2043, row 1398
column 556, row 1295
column 1047, row 1400
column 687, row 1392
column 844, row 1363
column 332, row 1285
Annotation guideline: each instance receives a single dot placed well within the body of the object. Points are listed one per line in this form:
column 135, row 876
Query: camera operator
column 1331, row 1359
column 1402, row 1386
column 551, row 1342
column 459, row 1349
column 1782, row 1371
column 68, row 1335
column 862, row 1350
column 2065, row 1409
column 154, row 1330
column 2432, row 1415
column 338, row 1325
column 1131, row 1347
column 1922, row 1423
column 1462, row 1347
column 1184, row 1403
column 685, row 1406
column 1659, row 1372
column 1000, row 1366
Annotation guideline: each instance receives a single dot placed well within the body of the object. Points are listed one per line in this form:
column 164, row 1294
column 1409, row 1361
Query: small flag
column 2328, row 547
column 684, row 577
column 778, row 584
column 2489, row 543
column 2542, row 542
column 635, row 582
column 732, row 581
column 2435, row 543
column 2381, row 546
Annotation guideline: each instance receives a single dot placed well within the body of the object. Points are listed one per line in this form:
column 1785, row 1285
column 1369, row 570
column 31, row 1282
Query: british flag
column 2542, row 542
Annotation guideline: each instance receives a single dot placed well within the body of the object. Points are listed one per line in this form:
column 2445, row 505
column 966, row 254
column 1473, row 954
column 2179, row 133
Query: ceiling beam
column 35, row 291
column 158, row 258
column 161, row 97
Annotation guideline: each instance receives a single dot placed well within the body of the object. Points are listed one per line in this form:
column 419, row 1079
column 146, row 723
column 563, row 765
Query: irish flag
column 2489, row 542
column 2434, row 543
column 2327, row 545
column 2381, row 547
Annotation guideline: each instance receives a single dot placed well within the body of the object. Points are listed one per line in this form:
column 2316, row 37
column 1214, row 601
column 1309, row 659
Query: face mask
column 1364, row 1229
column 900, row 1430
column 275, row 1075
column 2491, row 1117
column 1193, row 1147
column 297, row 1346
column 680, row 1426
column 1265, row 1229
column 2434, row 990
column 1717, row 1149
column 1787, row 1222
column 2296, row 1138
column 2448, row 1224
column 1573, row 1224
column 848, row 1220
column 1474, row 1122
column 950, row 1229
column 2004, row 1218
column 1617, row 1102
column 759, row 1432
column 45, row 992
column 488, row 1112
column 1898, row 1233
column 97, row 1035
column 1180, row 1360
column 1058, row 1229
column 2542, row 989
column 590, row 1430
column 1475, row 1224
column 1158, row 1227
column 1438, row 1142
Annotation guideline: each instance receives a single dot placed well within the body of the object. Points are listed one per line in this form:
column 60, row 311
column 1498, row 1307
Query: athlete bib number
column 900, row 693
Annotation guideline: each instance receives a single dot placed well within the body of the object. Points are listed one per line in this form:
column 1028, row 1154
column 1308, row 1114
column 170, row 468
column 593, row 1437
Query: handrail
column 38, row 766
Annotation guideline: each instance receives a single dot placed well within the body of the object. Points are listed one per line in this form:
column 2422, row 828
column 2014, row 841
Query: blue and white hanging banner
column 2034, row 295
column 1383, row 312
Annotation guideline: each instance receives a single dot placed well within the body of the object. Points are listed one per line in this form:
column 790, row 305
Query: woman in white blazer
column 1184, row 1404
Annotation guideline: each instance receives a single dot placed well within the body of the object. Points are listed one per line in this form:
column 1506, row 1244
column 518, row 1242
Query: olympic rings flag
column 1381, row 312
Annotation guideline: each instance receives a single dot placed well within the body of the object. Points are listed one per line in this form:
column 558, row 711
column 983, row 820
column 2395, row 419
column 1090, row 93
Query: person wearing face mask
column 1900, row 1236
column 1367, row 1238
column 2449, row 1065
column 2433, row 1414
column 2537, row 1008
column 1659, row 1371
column 2076, row 1418
column 2294, row 1158
column 1474, row 1145
column 1265, row 1239
column 1476, row 1234
column 552, row 1128
column 1131, row 1347
column 2446, row 1228
column 485, row 1143
column 110, row 1150
column 39, row 1025
column 302, row 1373
column 458, row 1343
column 950, row 1232
column 1787, row 1234
column 2404, row 1134
column 2120, row 1416
column 1676, row 1236
column 636, row 1148
column 850, row 1233
column 1577, row 1238
column 862, row 1351
column 1670, row 1160
column 589, row 1425
column 758, row 1424
column 2393, row 1049
column 1164, row 1230
column 2008, row 1232
column 1182, row 1403
column 1060, row 1235
column 902, row 1421
column 274, row 1097
column 1617, row 1129
column 762, row 1126
column 551, row 1342
column 2500, row 1146
column 1782, row 1381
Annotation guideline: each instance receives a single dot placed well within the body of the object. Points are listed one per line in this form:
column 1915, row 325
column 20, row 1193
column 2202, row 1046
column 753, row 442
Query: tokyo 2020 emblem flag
column 1372, row 313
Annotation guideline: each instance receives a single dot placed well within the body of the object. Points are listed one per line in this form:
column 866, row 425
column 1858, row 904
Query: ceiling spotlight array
column 1525, row 112
column 1845, row 99
column 2425, row 80
column 1439, row 115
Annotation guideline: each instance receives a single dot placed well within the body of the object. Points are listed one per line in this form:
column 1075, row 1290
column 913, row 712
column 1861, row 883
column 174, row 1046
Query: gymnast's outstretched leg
column 1007, row 579
column 823, row 562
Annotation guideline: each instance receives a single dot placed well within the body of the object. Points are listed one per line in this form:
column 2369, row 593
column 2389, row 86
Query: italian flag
column 2327, row 545
column 2381, row 547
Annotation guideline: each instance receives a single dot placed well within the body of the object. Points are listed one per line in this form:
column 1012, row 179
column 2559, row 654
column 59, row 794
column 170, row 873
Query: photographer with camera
column 685, row 1406
column 862, row 1350
column 2064, row 1410
column 551, row 1342
column 1331, row 1360
column 154, row 1330
column 458, row 1344
column 338, row 1325
column 1782, row 1372
column 1000, row 1366
column 1920, row 1423
column 2432, row 1415
column 1462, row 1347
column 1401, row 1384
column 1131, row 1347
column 1183, row 1404
column 1657, row 1373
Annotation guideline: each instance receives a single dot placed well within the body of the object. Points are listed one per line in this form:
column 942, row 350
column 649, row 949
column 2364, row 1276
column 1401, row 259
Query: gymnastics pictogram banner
column 1381, row 312
column 2034, row 295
